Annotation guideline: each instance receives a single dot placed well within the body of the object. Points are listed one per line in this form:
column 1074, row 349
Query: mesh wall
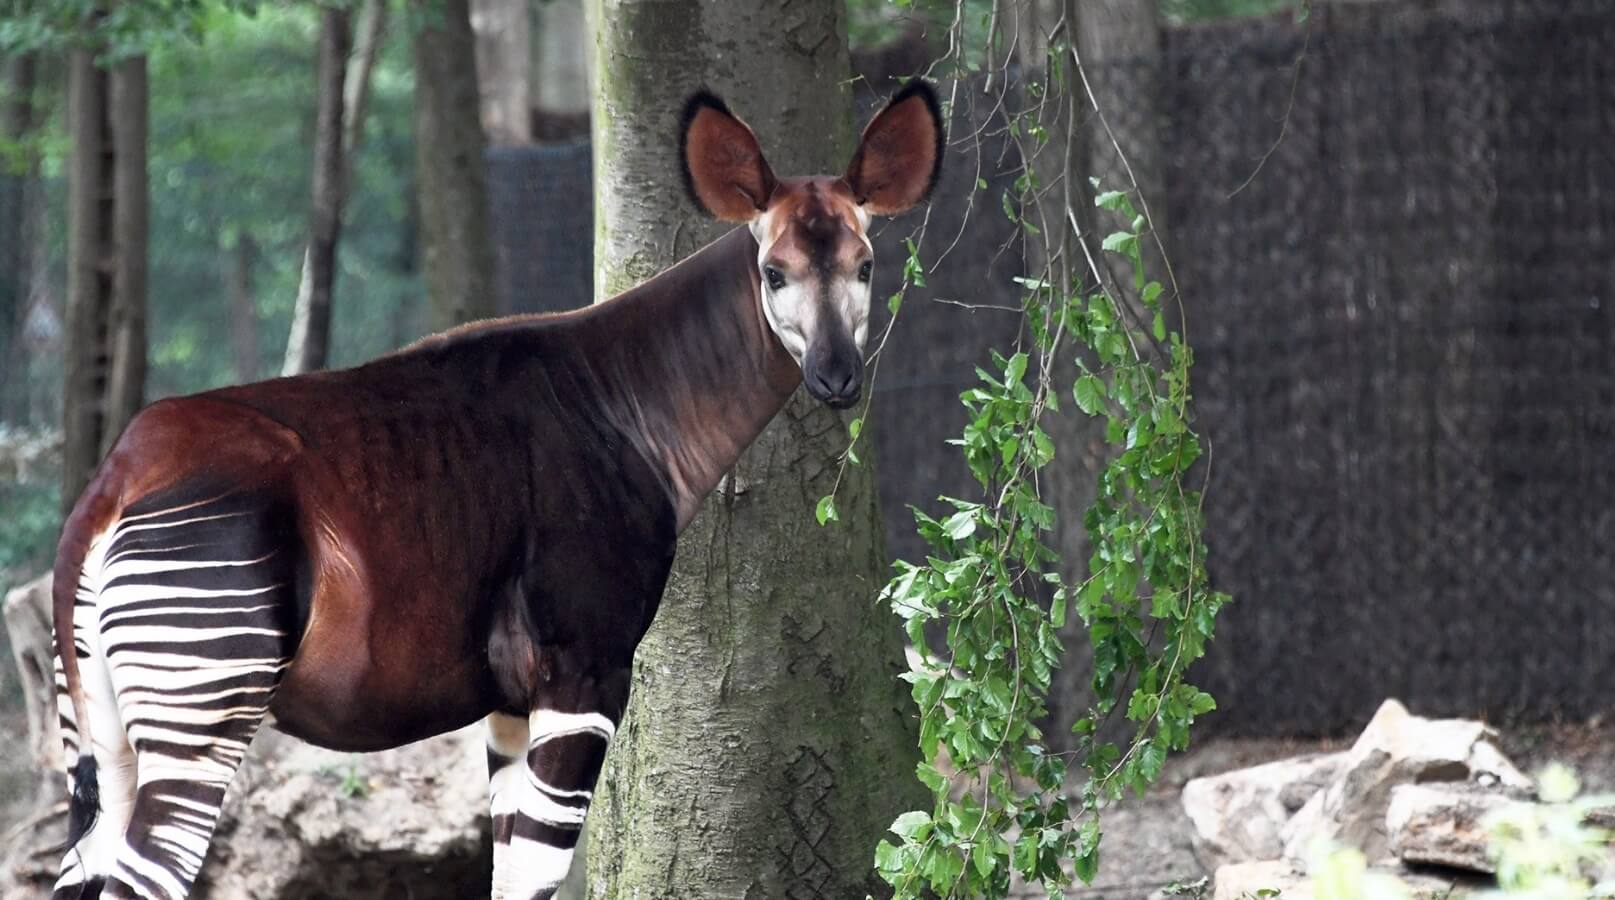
column 541, row 212
column 1405, row 355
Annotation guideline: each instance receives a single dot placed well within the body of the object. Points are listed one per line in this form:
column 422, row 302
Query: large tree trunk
column 768, row 741
column 504, row 65
column 105, row 364
column 89, row 287
column 126, row 383
column 450, row 169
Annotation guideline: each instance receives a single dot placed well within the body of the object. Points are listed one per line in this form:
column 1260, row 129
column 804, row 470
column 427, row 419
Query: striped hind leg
column 193, row 607
column 541, row 792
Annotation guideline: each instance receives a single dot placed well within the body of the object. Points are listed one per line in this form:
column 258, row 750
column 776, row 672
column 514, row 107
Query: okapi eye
column 776, row 279
column 865, row 270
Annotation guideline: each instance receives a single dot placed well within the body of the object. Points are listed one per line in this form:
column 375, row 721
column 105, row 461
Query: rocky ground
column 1149, row 841
column 311, row 812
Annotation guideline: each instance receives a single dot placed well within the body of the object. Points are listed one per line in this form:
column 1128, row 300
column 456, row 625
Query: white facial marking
column 791, row 311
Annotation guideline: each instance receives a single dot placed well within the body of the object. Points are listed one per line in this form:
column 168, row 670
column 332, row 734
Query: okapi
column 477, row 526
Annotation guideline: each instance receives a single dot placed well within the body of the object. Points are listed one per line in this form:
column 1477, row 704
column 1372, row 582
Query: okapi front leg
column 567, row 737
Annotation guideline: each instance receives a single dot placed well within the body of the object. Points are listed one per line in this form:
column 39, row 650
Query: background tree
column 19, row 219
column 343, row 92
column 504, row 69
column 105, row 366
column 767, row 742
column 449, row 167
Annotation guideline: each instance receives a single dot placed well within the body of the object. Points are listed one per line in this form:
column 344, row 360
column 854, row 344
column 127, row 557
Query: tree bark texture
column 89, row 275
column 131, row 226
column 449, row 167
column 768, row 742
column 308, row 347
column 504, row 65
column 105, row 364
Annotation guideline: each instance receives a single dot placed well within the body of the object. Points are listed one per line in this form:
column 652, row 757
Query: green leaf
column 1123, row 242
column 960, row 525
column 912, row 826
column 894, row 303
column 854, row 427
column 1090, row 394
column 1158, row 326
column 1111, row 200
column 826, row 511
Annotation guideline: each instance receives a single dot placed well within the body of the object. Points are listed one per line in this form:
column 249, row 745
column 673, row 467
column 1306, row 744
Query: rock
column 1246, row 881
column 302, row 822
column 1239, row 816
column 416, row 825
column 1396, row 748
column 1443, row 825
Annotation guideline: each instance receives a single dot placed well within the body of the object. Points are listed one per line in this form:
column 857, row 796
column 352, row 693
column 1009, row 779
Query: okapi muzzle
column 814, row 258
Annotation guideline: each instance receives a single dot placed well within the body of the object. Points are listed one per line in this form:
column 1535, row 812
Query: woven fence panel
column 541, row 212
column 1406, row 355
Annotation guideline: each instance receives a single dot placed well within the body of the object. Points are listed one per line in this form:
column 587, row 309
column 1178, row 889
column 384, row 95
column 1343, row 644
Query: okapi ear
column 900, row 156
column 724, row 169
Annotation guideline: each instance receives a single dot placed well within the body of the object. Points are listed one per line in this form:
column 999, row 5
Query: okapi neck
column 703, row 374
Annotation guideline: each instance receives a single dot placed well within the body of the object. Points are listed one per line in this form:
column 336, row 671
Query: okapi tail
column 84, row 805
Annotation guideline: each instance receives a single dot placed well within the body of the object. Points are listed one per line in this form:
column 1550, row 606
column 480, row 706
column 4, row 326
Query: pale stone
column 1239, row 816
column 1244, row 881
column 1396, row 748
column 1443, row 824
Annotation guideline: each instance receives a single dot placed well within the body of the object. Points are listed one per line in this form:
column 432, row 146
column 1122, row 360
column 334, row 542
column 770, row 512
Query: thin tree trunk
column 767, row 743
column 243, row 307
column 504, row 65
column 89, row 276
column 450, row 169
column 356, row 91
column 18, row 197
column 562, row 48
column 126, row 386
column 308, row 347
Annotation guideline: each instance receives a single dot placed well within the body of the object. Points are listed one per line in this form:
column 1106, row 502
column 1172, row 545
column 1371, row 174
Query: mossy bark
column 768, row 742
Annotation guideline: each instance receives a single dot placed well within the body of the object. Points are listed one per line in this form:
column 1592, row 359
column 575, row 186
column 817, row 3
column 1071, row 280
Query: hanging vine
column 1112, row 346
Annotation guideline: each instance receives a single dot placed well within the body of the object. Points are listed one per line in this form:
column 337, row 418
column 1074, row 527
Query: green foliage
column 1547, row 851
column 117, row 29
column 1003, row 807
column 1001, row 801
column 28, row 529
column 229, row 158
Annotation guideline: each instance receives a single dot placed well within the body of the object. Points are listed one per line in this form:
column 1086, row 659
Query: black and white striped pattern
column 541, row 774
column 182, row 627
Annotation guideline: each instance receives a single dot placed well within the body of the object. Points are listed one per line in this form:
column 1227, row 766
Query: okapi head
column 814, row 258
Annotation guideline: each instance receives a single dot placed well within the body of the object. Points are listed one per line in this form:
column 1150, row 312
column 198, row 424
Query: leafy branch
column 1004, row 808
